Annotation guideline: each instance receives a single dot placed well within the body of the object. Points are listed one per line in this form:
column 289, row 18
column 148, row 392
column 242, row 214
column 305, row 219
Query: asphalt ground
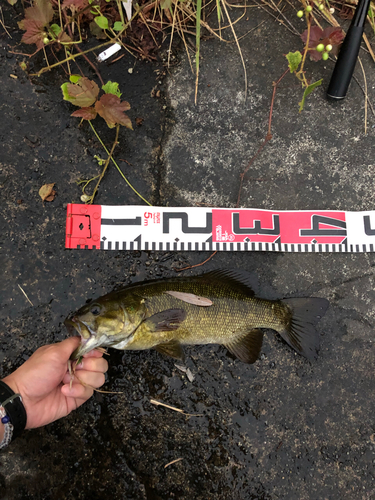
column 283, row 428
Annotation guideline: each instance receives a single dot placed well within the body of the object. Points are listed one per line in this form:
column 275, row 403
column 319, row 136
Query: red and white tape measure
column 224, row 229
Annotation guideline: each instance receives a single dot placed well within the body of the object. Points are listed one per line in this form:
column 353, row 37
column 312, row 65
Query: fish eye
column 95, row 310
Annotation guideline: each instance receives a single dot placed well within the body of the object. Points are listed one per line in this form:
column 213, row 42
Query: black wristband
column 14, row 408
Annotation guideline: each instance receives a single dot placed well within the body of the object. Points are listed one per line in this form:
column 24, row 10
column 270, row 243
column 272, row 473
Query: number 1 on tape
column 225, row 229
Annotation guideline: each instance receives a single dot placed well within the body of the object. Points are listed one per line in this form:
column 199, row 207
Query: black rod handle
column 344, row 67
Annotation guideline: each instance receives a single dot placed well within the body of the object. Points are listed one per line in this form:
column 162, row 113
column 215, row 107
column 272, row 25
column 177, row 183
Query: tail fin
column 300, row 333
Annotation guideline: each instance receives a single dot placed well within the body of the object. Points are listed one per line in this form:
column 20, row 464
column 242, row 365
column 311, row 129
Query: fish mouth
column 88, row 338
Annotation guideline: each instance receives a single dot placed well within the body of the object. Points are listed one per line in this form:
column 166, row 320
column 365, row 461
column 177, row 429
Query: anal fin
column 172, row 348
column 246, row 347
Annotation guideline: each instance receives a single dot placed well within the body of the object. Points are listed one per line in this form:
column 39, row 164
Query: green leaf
column 294, row 60
column 307, row 92
column 74, row 78
column 64, row 88
column 55, row 29
column 218, row 8
column 118, row 26
column 112, row 88
column 102, row 22
column 166, row 4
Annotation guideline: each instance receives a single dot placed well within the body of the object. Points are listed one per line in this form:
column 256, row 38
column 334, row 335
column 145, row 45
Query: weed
column 84, row 93
column 319, row 44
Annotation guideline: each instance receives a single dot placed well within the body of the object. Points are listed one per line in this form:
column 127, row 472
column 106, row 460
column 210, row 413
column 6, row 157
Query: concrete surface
column 282, row 428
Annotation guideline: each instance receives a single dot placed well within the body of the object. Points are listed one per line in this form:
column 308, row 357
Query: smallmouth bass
column 219, row 307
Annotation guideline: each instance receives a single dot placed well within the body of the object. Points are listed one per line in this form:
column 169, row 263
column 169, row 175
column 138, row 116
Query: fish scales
column 218, row 307
column 212, row 325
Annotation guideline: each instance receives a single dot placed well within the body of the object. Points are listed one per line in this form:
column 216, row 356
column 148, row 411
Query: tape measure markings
column 222, row 229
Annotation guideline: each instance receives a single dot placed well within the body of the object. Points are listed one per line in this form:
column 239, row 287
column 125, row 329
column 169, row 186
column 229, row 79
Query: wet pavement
column 283, row 428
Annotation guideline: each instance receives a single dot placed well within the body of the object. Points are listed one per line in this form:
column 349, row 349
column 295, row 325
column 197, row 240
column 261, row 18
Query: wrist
column 6, row 429
column 12, row 408
column 11, row 383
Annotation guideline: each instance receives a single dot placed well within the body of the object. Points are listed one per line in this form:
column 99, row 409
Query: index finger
column 94, row 354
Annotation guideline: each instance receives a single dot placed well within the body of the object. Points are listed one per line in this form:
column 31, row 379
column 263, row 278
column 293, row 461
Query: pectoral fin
column 172, row 348
column 191, row 298
column 165, row 321
column 247, row 346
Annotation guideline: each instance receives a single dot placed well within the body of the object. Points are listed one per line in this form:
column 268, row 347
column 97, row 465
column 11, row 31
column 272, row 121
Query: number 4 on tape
column 224, row 229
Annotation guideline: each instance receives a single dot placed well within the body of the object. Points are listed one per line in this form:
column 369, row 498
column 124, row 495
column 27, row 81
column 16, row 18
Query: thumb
column 67, row 346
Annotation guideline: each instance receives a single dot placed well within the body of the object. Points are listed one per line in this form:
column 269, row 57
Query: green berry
column 325, row 56
column 329, row 47
column 45, row 40
column 300, row 13
column 321, row 6
column 320, row 47
column 309, row 8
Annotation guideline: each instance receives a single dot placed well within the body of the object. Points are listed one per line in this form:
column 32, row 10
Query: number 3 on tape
column 224, row 229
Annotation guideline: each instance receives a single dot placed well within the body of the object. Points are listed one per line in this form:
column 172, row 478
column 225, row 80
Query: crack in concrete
column 159, row 168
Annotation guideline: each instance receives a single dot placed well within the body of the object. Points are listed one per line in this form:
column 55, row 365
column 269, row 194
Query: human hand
column 44, row 381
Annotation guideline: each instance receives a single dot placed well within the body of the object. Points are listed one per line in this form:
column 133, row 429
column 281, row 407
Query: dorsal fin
column 229, row 279
column 239, row 280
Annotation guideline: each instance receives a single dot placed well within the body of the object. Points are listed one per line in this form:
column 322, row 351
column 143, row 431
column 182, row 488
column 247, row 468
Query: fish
column 218, row 307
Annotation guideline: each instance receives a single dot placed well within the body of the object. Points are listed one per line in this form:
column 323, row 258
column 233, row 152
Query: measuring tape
column 223, row 229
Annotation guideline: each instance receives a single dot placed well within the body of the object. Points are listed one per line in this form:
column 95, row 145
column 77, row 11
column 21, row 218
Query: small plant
column 56, row 23
column 84, row 93
column 319, row 44
column 323, row 41
column 38, row 27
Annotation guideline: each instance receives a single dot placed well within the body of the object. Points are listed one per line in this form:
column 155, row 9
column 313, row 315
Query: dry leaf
column 112, row 110
column 47, row 192
column 87, row 113
column 36, row 18
column 83, row 93
column 42, row 11
column 35, row 32
column 188, row 372
column 74, row 4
